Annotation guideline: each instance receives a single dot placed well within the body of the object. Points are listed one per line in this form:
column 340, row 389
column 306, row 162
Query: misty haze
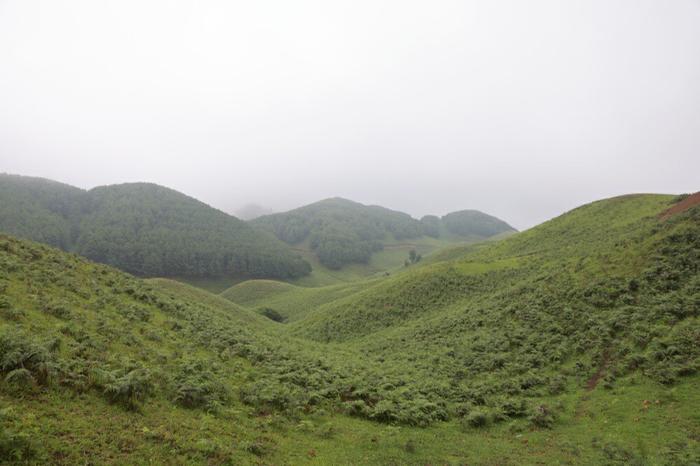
column 349, row 232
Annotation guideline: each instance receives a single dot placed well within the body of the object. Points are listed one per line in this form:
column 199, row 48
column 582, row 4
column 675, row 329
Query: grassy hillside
column 390, row 259
column 290, row 301
column 607, row 295
column 577, row 342
column 143, row 229
column 340, row 232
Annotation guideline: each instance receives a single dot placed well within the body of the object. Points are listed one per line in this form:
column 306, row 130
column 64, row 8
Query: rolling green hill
column 575, row 342
column 143, row 229
column 290, row 301
column 39, row 209
column 340, row 232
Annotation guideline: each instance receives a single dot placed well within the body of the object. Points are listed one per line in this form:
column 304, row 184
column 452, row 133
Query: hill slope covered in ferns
column 575, row 342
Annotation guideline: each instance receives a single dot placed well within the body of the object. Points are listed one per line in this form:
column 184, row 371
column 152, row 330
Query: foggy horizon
column 271, row 210
column 522, row 111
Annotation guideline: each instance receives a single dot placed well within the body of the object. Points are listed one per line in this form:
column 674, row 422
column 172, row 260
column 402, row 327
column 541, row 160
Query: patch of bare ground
column 682, row 206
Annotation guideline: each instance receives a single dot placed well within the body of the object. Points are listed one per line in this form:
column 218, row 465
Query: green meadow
column 574, row 342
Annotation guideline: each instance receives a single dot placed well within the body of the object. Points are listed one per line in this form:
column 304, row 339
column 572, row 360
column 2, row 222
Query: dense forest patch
column 342, row 232
column 143, row 229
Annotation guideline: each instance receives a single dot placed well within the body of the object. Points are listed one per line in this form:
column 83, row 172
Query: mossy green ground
column 576, row 342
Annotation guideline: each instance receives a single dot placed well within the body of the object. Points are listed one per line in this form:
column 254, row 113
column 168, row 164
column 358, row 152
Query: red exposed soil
column 685, row 204
column 595, row 378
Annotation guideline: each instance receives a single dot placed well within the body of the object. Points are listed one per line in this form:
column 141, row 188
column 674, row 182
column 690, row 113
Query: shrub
column 542, row 417
column 11, row 313
column 135, row 313
column 258, row 447
column 128, row 389
column 617, row 454
column 513, row 407
column 476, row 419
column 19, row 351
column 270, row 394
column 272, row 314
column 679, row 198
column 76, row 374
column 58, row 310
column 20, row 378
column 198, row 387
column 14, row 446
column 557, row 385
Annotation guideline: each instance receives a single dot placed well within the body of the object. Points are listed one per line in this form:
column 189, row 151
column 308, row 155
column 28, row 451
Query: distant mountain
column 339, row 231
column 40, row 209
column 473, row 222
column 342, row 232
column 252, row 211
column 143, row 229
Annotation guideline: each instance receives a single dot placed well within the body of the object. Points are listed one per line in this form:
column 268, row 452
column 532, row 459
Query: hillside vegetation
column 143, row 229
column 576, row 342
column 341, row 232
column 289, row 301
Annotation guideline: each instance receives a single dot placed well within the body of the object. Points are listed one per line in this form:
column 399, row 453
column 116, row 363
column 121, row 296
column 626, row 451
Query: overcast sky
column 520, row 109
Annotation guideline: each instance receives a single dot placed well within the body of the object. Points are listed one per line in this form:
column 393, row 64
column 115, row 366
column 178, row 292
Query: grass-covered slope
column 590, row 237
column 286, row 300
column 607, row 290
column 143, row 229
column 97, row 366
column 576, row 342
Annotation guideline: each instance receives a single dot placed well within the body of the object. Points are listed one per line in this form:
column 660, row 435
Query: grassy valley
column 196, row 295
column 575, row 342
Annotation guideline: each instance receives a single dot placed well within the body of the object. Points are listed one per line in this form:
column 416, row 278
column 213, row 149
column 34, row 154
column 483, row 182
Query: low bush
column 195, row 386
column 15, row 446
column 57, row 309
column 272, row 314
column 476, row 419
column 542, row 417
column 20, row 379
column 12, row 313
column 513, row 408
column 258, row 447
column 128, row 388
column 19, row 351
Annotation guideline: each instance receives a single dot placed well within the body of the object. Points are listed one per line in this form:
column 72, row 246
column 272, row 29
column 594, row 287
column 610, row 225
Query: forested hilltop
column 342, row 232
column 142, row 228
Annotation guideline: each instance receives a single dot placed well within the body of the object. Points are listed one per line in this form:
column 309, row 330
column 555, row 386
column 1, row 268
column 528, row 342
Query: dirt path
column 591, row 384
column 595, row 378
column 682, row 206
